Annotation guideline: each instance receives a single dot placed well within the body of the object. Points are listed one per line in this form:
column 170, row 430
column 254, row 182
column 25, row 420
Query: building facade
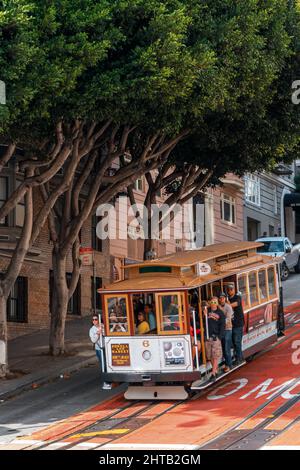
column 265, row 211
column 223, row 219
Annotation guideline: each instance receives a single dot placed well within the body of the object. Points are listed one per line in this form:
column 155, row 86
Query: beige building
column 224, row 220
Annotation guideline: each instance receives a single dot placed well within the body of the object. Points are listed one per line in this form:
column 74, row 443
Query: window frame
column 252, row 182
column 21, row 301
column 159, row 316
column 266, row 299
column 136, row 184
column 275, row 295
column 257, row 289
column 225, row 198
column 245, row 275
column 106, row 297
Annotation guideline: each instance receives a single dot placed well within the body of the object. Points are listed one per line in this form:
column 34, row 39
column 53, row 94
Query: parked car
column 283, row 247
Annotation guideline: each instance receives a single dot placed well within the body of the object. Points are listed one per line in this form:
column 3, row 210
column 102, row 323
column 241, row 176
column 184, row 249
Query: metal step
column 204, row 383
column 156, row 392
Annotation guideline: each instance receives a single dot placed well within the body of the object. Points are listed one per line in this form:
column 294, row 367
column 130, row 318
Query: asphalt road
column 291, row 289
column 36, row 409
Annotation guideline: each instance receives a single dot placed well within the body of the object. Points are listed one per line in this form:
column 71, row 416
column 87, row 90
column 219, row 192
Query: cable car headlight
column 147, row 355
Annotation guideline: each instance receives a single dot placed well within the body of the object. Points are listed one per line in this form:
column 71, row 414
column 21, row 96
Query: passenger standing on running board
column 237, row 322
column 227, row 339
column 214, row 333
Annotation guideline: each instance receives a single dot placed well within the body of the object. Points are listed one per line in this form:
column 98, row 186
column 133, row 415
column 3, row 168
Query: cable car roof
column 181, row 280
column 192, row 257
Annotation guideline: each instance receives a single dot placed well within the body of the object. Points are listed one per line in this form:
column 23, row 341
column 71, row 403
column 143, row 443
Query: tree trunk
column 3, row 337
column 59, row 306
column 149, row 200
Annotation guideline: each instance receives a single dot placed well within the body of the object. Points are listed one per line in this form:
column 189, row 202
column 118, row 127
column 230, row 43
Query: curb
column 42, row 380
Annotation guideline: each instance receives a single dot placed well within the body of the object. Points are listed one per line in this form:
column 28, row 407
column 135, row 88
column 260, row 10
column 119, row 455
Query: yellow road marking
column 100, row 433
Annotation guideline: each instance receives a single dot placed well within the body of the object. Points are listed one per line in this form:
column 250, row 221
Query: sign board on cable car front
column 120, row 355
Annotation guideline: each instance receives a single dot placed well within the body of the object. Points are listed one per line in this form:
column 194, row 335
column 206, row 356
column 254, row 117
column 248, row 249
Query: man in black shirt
column 215, row 328
column 237, row 321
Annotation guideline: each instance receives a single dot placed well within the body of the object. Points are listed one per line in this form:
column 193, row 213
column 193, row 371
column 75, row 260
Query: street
column 291, row 289
column 266, row 390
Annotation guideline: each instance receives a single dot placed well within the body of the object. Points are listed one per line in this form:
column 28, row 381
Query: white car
column 282, row 247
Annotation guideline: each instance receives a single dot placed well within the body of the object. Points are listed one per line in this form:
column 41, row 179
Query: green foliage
column 218, row 68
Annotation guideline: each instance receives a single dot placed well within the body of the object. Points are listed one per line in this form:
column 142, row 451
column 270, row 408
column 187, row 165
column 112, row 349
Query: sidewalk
column 31, row 365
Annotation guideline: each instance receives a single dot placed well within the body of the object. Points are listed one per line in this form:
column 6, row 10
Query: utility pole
column 2, row 92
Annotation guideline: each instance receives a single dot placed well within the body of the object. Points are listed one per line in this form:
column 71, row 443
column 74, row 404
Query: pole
column 195, row 339
column 201, row 327
column 95, row 286
column 281, row 319
column 99, row 314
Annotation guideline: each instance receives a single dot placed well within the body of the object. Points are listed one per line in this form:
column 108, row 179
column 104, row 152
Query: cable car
column 149, row 316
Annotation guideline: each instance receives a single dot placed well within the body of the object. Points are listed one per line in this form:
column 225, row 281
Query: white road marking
column 280, row 448
column 149, row 446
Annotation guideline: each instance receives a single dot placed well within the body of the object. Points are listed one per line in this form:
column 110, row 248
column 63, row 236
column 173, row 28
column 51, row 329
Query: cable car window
column 262, row 286
column 243, row 290
column 253, row 289
column 117, row 314
column 171, row 317
column 271, row 282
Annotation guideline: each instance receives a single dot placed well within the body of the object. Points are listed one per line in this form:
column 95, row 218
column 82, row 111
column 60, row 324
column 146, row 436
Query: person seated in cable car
column 170, row 325
column 172, row 309
column 150, row 316
column 115, row 325
column 142, row 326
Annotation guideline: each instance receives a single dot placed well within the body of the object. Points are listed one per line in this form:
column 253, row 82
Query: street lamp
column 2, row 92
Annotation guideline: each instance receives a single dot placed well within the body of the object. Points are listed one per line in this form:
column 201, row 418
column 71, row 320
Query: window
column 96, row 283
column 139, row 184
column 17, row 301
column 253, row 289
column 3, row 195
column 271, row 282
column 242, row 282
column 252, row 189
column 74, row 305
column 155, row 269
column 271, row 247
column 263, row 293
column 96, row 242
column 171, row 318
column 117, row 314
column 227, row 205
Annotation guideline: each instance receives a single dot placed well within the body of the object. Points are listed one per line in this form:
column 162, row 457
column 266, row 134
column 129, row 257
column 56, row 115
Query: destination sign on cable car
column 120, row 355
